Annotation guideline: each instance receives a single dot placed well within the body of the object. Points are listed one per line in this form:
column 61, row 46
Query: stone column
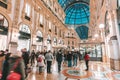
column 114, row 56
column 13, row 40
column 14, row 29
column 33, row 46
column 104, row 57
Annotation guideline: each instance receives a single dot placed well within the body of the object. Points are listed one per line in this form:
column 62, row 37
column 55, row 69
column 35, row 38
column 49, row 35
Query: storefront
column 95, row 51
column 24, row 37
column 3, row 32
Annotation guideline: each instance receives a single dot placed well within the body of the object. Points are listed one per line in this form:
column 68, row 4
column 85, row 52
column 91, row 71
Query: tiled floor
column 97, row 71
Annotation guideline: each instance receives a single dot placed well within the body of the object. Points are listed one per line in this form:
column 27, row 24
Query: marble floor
column 97, row 71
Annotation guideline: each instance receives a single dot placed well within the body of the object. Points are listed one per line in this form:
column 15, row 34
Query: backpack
column 39, row 59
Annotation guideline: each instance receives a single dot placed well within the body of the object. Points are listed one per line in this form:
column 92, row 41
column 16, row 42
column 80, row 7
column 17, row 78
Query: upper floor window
column 5, row 1
column 55, row 30
column 27, row 10
column 50, row 25
column 41, row 19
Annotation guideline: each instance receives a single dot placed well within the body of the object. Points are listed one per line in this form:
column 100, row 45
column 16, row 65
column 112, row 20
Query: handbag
column 14, row 75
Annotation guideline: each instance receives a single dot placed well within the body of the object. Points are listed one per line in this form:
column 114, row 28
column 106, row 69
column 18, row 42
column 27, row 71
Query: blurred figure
column 75, row 58
column 25, row 56
column 2, row 58
column 87, row 58
column 49, row 59
column 41, row 63
column 69, row 58
column 5, row 69
column 32, row 57
column 6, row 51
column 59, row 58
column 19, row 67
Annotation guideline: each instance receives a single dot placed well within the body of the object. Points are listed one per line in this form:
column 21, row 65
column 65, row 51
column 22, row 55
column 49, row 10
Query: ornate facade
column 34, row 24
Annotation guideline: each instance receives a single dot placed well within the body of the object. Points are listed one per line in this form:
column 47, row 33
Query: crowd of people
column 44, row 60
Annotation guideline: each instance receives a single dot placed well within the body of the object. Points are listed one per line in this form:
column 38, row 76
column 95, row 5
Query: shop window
column 27, row 12
column 3, row 3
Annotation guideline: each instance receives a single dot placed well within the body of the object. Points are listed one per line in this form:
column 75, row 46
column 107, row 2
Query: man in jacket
column 59, row 58
column 49, row 59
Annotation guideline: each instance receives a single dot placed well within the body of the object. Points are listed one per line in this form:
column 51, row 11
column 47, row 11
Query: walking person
column 5, row 66
column 25, row 56
column 59, row 58
column 75, row 58
column 41, row 63
column 49, row 59
column 87, row 58
column 33, row 55
column 69, row 58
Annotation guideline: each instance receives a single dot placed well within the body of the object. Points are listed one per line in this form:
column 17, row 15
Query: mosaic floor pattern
column 97, row 71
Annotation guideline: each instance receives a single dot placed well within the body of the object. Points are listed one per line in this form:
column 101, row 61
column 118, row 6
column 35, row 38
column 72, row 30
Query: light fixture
column 37, row 39
column 93, row 39
column 101, row 26
column 18, row 34
column 96, row 35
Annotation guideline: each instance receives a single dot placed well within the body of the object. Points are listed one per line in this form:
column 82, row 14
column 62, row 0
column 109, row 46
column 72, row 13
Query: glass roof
column 77, row 14
column 66, row 3
column 82, row 32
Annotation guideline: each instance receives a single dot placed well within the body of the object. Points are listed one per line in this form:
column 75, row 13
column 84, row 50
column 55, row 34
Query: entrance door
column 24, row 38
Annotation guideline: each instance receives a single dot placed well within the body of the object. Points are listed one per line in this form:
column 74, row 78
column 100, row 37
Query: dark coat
column 5, row 67
column 69, row 56
column 25, row 57
column 59, row 57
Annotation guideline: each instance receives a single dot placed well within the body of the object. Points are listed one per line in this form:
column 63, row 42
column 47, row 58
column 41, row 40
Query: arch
column 22, row 23
column 4, row 26
column 55, row 41
column 7, row 17
column 39, row 36
column 49, row 37
column 39, row 33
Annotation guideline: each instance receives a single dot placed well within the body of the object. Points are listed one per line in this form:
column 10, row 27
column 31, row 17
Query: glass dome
column 77, row 14
column 82, row 32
